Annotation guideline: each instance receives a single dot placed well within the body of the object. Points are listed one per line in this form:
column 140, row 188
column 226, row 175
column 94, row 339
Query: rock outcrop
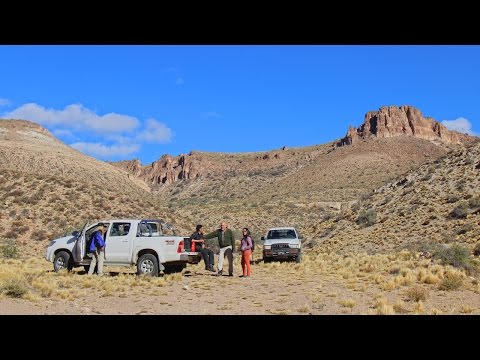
column 392, row 121
column 166, row 170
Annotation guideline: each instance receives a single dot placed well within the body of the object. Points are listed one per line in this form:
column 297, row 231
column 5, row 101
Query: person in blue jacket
column 97, row 248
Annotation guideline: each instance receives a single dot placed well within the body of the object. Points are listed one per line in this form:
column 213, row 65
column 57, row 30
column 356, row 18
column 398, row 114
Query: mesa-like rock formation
column 391, row 121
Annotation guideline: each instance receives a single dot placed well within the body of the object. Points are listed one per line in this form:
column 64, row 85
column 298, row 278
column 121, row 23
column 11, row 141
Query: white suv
column 282, row 243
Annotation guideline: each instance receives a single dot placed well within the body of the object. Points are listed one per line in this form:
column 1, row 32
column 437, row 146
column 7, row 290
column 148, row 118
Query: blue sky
column 126, row 102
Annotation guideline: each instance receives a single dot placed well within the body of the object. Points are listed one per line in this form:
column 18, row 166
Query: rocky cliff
column 167, row 169
column 390, row 121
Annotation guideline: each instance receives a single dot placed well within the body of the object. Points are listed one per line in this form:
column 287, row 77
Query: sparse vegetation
column 416, row 293
column 367, row 218
column 456, row 255
column 9, row 250
column 452, row 281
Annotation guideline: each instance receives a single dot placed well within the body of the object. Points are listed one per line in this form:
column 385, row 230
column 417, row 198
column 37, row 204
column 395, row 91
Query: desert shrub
column 16, row 193
column 367, row 218
column 452, row 199
column 356, row 206
column 456, row 255
column 459, row 212
column 426, row 177
column 14, row 288
column 423, row 246
column 474, row 203
column 464, row 229
column 416, row 293
column 39, row 235
column 9, row 250
column 327, row 216
column 387, row 199
column 451, row 281
column 11, row 234
column 365, row 196
column 461, row 185
column 23, row 229
column 476, row 250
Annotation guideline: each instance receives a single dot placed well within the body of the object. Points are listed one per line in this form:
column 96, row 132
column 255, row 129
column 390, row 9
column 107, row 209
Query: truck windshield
column 281, row 234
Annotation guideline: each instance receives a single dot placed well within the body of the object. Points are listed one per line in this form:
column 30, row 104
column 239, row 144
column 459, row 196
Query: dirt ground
column 275, row 288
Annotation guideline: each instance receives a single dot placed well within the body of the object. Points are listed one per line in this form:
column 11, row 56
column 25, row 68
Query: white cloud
column 179, row 81
column 106, row 151
column 460, row 124
column 62, row 133
column 4, row 102
column 212, row 114
column 106, row 136
column 155, row 132
column 74, row 116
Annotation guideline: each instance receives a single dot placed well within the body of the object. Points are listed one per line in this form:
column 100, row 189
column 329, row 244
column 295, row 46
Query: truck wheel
column 61, row 261
column 298, row 260
column 170, row 269
column 147, row 265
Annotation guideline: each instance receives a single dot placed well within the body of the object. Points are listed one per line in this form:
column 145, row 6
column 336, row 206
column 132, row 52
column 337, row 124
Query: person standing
column 246, row 247
column 226, row 242
column 97, row 248
column 207, row 254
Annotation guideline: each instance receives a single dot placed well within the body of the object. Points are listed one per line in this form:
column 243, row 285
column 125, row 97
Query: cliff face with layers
column 391, row 121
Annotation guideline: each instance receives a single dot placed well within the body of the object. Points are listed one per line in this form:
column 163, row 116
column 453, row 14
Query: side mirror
column 75, row 233
column 262, row 238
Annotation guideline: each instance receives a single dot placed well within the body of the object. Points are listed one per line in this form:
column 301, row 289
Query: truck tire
column 62, row 260
column 170, row 269
column 147, row 265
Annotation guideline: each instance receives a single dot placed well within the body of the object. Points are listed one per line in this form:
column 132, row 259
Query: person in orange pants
column 246, row 247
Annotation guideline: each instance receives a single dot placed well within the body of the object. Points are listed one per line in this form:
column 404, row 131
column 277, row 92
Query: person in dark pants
column 207, row 254
column 226, row 241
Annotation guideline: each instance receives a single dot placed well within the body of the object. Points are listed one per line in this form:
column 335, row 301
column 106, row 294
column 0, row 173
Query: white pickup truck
column 128, row 242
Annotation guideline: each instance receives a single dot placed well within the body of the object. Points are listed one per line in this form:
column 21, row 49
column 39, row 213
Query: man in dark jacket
column 207, row 254
column 226, row 241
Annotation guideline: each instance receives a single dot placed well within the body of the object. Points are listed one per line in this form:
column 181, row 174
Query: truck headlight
column 267, row 247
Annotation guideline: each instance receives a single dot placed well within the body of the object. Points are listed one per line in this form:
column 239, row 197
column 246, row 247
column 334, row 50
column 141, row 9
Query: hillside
column 435, row 204
column 47, row 188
